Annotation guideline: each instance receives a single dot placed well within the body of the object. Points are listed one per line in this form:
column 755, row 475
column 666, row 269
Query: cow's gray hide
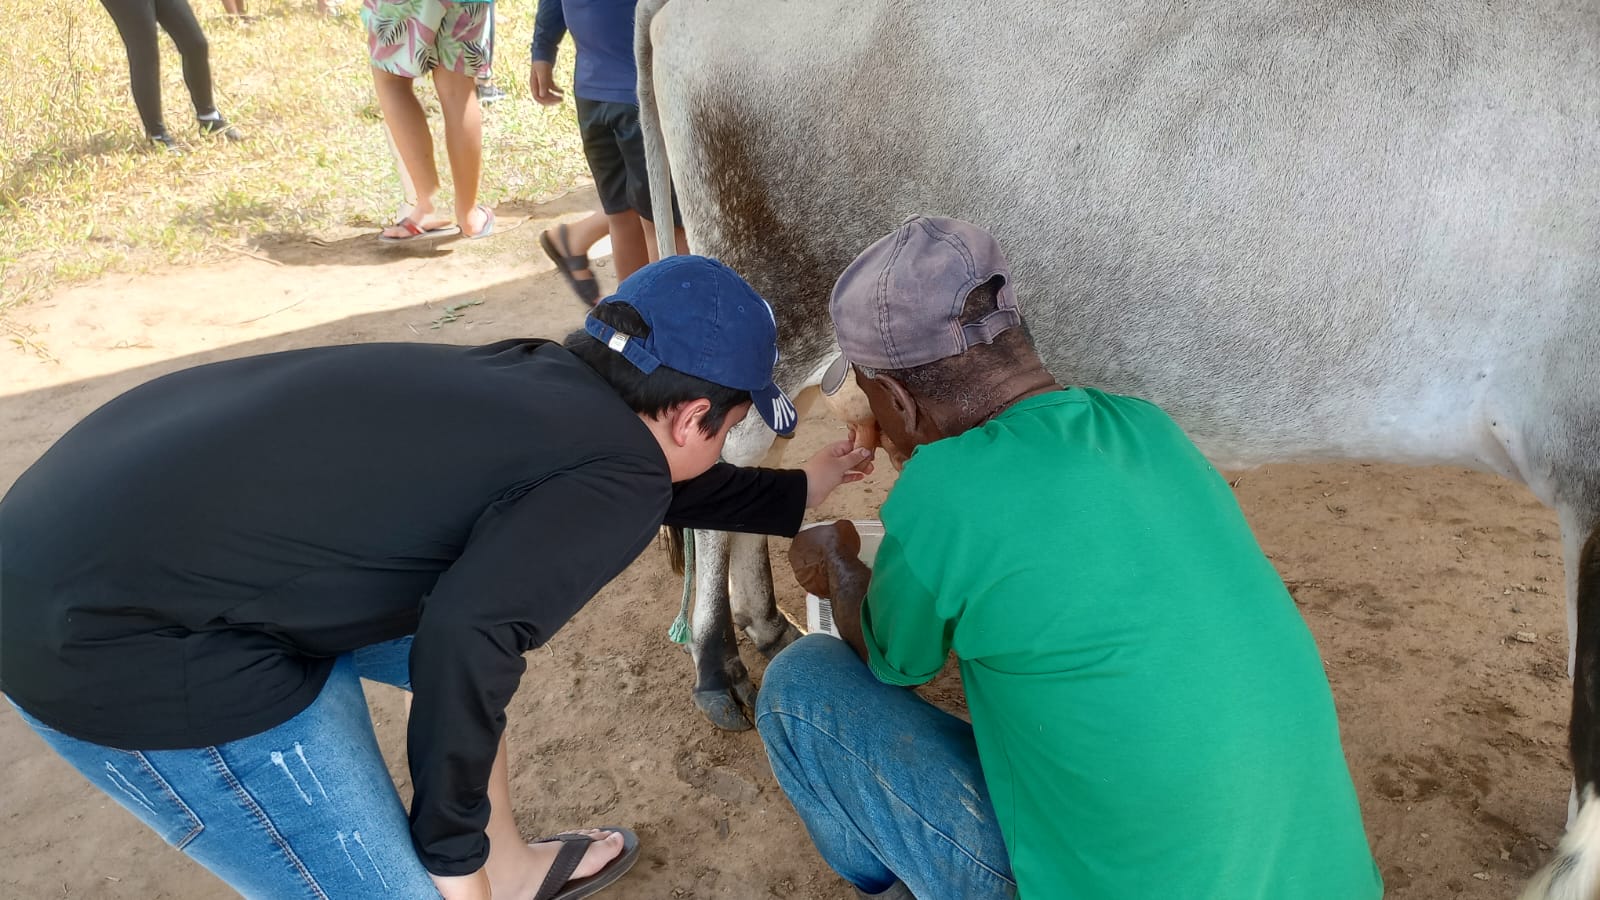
column 1309, row 230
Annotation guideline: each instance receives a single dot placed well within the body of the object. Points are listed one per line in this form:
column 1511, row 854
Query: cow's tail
column 1574, row 873
column 655, row 143
column 679, row 541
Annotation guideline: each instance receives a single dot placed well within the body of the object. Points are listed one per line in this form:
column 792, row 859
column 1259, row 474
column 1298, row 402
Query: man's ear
column 684, row 420
column 904, row 405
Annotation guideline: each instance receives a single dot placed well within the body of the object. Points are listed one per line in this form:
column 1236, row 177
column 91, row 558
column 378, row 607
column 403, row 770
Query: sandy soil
column 1435, row 595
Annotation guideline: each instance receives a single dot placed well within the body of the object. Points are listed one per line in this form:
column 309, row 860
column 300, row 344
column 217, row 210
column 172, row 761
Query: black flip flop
column 556, row 885
column 588, row 290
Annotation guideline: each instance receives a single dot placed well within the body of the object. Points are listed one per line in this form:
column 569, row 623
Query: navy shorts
column 614, row 146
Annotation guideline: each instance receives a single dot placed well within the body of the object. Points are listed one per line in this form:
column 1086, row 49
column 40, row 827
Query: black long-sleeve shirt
column 181, row 568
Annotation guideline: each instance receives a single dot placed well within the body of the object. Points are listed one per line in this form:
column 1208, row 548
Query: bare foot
column 520, row 874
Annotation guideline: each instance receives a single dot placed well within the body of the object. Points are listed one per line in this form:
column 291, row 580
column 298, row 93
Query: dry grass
column 81, row 194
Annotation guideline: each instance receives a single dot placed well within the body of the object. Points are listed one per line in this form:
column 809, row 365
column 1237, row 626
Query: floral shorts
column 410, row 38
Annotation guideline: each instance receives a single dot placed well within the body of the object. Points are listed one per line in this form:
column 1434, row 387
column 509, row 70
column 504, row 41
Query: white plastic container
column 819, row 610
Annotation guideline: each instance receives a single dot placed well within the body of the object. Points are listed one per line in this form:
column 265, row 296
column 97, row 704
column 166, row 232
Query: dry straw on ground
column 81, row 193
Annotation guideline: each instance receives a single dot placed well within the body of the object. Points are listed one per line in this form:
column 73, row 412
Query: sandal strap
column 573, row 847
column 573, row 261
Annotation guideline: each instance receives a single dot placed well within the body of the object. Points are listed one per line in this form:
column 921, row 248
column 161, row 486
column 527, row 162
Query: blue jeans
column 302, row 810
column 888, row 785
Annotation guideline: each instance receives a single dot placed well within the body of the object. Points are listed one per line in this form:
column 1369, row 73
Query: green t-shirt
column 1151, row 713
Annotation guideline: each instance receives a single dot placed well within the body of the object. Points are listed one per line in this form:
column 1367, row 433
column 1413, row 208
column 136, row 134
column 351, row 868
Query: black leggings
column 136, row 22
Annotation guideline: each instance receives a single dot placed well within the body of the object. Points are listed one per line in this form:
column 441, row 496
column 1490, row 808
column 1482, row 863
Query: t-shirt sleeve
column 530, row 563
column 907, row 638
column 549, row 27
column 742, row 499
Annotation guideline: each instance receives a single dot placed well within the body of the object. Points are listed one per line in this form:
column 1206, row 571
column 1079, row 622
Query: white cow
column 1309, row 230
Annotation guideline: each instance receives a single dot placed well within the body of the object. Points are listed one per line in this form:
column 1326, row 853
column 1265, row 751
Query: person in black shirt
column 193, row 577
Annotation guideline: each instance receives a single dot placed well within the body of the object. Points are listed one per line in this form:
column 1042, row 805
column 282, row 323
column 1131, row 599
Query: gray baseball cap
column 898, row 305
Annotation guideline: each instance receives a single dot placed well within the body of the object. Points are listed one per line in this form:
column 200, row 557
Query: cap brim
column 776, row 409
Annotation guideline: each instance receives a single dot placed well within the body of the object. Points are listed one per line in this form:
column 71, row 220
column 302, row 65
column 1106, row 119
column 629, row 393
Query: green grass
column 81, row 195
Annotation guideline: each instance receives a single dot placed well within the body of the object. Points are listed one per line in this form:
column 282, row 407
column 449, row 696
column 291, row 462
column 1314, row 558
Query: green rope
column 679, row 633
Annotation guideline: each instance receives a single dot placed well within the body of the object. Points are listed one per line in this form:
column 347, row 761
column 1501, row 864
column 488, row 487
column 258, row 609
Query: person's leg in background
column 630, row 252
column 463, row 143
column 136, row 23
column 486, row 90
column 568, row 247
column 609, row 168
column 468, row 53
column 391, row 33
column 233, row 7
column 177, row 19
column 680, row 239
column 630, row 138
column 408, row 190
column 306, row 808
column 888, row 785
column 408, row 130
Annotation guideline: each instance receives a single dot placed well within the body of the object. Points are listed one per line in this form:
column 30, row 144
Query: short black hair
column 659, row 391
column 960, row 380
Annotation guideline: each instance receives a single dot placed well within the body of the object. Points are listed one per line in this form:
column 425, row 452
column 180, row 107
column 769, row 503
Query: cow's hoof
column 786, row 636
column 744, row 691
column 723, row 710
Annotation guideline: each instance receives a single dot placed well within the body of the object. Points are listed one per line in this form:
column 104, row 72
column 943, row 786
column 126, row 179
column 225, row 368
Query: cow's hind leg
column 755, row 607
column 1574, row 874
column 722, row 689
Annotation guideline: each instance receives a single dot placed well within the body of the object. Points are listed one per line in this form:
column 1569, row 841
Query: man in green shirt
column 1150, row 718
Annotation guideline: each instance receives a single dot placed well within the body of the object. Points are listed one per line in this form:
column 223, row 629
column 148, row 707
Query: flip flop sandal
column 488, row 224
column 587, row 289
column 416, row 233
column 556, row 885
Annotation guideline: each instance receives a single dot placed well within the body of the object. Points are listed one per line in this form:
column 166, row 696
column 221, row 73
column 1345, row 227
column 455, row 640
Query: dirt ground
column 1435, row 596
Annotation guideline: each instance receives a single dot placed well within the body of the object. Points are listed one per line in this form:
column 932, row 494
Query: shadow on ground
column 361, row 248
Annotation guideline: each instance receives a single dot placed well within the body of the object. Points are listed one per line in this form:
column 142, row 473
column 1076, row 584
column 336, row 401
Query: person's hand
column 816, row 554
column 463, row 887
column 542, row 82
column 841, row 462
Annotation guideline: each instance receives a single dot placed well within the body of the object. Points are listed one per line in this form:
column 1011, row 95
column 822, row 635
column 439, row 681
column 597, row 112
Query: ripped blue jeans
column 303, row 810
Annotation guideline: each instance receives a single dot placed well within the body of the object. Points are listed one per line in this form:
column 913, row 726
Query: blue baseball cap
column 704, row 321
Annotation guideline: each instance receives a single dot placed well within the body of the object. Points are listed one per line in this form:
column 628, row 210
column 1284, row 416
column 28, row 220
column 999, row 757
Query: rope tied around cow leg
column 680, row 632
